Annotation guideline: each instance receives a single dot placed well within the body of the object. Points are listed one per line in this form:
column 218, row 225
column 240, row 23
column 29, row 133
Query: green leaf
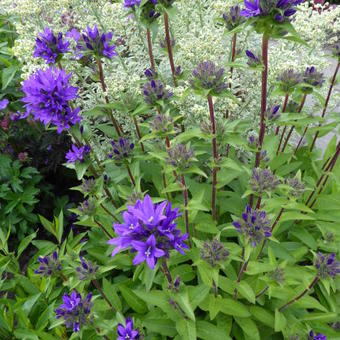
column 208, row 331
column 321, row 317
column 262, row 315
column 163, row 327
column 280, row 321
column 59, row 226
column 111, row 293
column 30, row 302
column 44, row 317
column 246, row 291
column 248, row 327
column 186, row 329
column 182, row 299
column 7, row 76
column 133, row 300
column 24, row 243
column 47, row 225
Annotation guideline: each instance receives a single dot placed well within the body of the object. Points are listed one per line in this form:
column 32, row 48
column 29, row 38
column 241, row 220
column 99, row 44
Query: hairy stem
column 233, row 54
column 265, row 40
column 239, row 277
column 168, row 42
column 152, row 61
column 293, row 127
column 133, row 181
column 102, row 81
column 102, row 228
column 167, row 273
column 138, row 133
column 283, row 110
column 186, row 214
column 327, row 101
column 298, row 297
column 215, row 154
column 97, row 285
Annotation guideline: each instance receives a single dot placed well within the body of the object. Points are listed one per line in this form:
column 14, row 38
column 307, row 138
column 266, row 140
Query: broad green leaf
column 208, row 331
column 186, row 329
column 25, row 243
column 133, row 300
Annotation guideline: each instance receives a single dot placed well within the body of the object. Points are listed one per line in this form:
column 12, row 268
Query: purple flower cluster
column 47, row 96
column 327, row 265
column 180, row 156
column 288, row 80
column 77, row 154
column 154, row 91
column 50, row 47
column 161, row 123
column 207, row 76
column 91, row 42
column 313, row 77
column 18, row 116
column 254, row 225
column 75, row 310
column 281, row 10
column 253, row 59
column 127, row 332
column 48, row 265
column 87, row 271
column 297, row 188
column 272, row 112
column 131, row 3
column 233, row 19
column 214, row 252
column 150, row 230
column 263, row 180
column 336, row 49
column 3, row 104
column 318, row 336
column 121, row 149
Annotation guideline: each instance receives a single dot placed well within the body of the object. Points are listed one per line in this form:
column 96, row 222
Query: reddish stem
column 168, row 43
column 233, row 54
column 265, row 40
column 316, row 279
column 138, row 133
column 102, row 81
column 186, row 214
column 130, row 175
column 293, row 127
column 258, row 204
column 152, row 61
column 283, row 110
column 214, row 144
column 327, row 101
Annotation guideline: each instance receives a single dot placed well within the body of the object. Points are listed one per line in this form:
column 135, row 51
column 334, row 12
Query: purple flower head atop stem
column 3, row 104
column 288, row 80
column 164, row 45
column 280, row 10
column 263, row 180
column 233, row 19
column 48, row 265
column 75, row 310
column 78, row 154
column 149, row 13
column 253, row 59
column 131, row 3
column 161, row 123
column 88, row 207
column 209, row 77
column 150, row 230
column 327, row 265
column 92, row 42
column 214, row 252
column 297, row 188
column 121, row 149
column 254, row 225
column 180, row 156
column 318, row 336
column 313, row 78
column 18, row 115
column 272, row 113
column 87, row 270
column 50, row 47
column 127, row 332
column 47, row 97
column 154, row 92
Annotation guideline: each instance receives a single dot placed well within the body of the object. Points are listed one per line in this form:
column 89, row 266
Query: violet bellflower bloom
column 161, row 123
column 233, row 19
column 47, row 97
column 87, row 270
column 252, row 8
column 75, row 310
column 313, row 77
column 131, row 3
column 50, row 47
column 127, row 332
column 48, row 265
column 180, row 156
column 121, row 149
column 209, row 77
column 297, row 188
column 288, row 80
column 272, row 112
column 18, row 116
column 263, row 180
column 77, row 154
column 3, row 104
column 154, row 91
column 214, row 251
column 150, row 230
column 92, row 42
column 254, row 225
column 327, row 265
column 318, row 336
column 253, row 59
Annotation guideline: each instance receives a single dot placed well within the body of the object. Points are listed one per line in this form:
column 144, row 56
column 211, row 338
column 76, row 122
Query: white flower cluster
column 198, row 37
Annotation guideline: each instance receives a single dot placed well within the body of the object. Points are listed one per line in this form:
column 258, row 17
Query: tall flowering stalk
column 208, row 80
column 169, row 47
column 326, row 103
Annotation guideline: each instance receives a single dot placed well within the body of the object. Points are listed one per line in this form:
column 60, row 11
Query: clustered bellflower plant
column 202, row 207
